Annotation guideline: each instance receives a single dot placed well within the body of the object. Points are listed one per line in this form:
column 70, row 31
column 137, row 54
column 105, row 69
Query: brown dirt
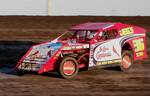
column 18, row 33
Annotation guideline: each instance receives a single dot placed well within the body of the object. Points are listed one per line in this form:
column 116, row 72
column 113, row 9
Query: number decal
column 138, row 54
column 138, row 44
column 126, row 31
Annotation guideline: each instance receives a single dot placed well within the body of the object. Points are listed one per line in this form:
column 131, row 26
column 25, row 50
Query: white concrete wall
column 76, row 7
column 101, row 7
column 23, row 7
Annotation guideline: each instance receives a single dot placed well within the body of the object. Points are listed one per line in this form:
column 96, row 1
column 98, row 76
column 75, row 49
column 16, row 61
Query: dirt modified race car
column 86, row 46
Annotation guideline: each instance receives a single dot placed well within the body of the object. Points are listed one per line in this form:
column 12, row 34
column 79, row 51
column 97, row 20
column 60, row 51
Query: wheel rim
column 69, row 68
column 126, row 61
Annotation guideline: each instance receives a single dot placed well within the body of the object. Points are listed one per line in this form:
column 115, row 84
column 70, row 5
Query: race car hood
column 41, row 53
column 44, row 50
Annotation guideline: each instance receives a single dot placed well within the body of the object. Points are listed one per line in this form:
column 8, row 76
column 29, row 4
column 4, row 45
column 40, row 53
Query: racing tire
column 127, row 61
column 68, row 68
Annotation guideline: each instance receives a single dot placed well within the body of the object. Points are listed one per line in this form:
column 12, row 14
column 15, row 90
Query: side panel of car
column 105, row 52
column 110, row 51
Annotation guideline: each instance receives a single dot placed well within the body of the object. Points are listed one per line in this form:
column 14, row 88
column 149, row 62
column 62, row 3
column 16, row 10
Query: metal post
column 49, row 9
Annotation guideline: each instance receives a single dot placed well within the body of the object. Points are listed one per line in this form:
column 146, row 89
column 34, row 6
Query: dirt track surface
column 18, row 34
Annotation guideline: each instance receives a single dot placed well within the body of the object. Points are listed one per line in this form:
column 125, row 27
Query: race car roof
column 92, row 26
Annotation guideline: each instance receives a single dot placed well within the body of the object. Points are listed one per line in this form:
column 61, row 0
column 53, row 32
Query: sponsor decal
column 138, row 44
column 105, row 52
column 126, row 31
column 67, row 48
column 79, row 47
column 102, row 52
column 139, row 54
column 108, row 62
column 76, row 47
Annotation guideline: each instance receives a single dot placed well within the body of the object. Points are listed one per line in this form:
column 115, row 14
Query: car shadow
column 113, row 68
column 10, row 53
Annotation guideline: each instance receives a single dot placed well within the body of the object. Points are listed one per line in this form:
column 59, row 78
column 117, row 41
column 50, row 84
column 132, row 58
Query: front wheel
column 127, row 61
column 68, row 68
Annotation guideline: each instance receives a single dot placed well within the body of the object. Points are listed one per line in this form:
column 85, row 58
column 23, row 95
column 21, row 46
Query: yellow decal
column 138, row 44
column 139, row 54
column 108, row 62
column 126, row 31
column 104, row 62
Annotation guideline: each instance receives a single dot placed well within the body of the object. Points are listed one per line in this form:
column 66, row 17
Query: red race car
column 85, row 46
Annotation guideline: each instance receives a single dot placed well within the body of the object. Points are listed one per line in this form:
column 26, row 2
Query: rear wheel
column 68, row 68
column 127, row 61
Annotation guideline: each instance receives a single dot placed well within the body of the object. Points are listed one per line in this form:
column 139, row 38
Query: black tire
column 73, row 71
column 127, row 61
